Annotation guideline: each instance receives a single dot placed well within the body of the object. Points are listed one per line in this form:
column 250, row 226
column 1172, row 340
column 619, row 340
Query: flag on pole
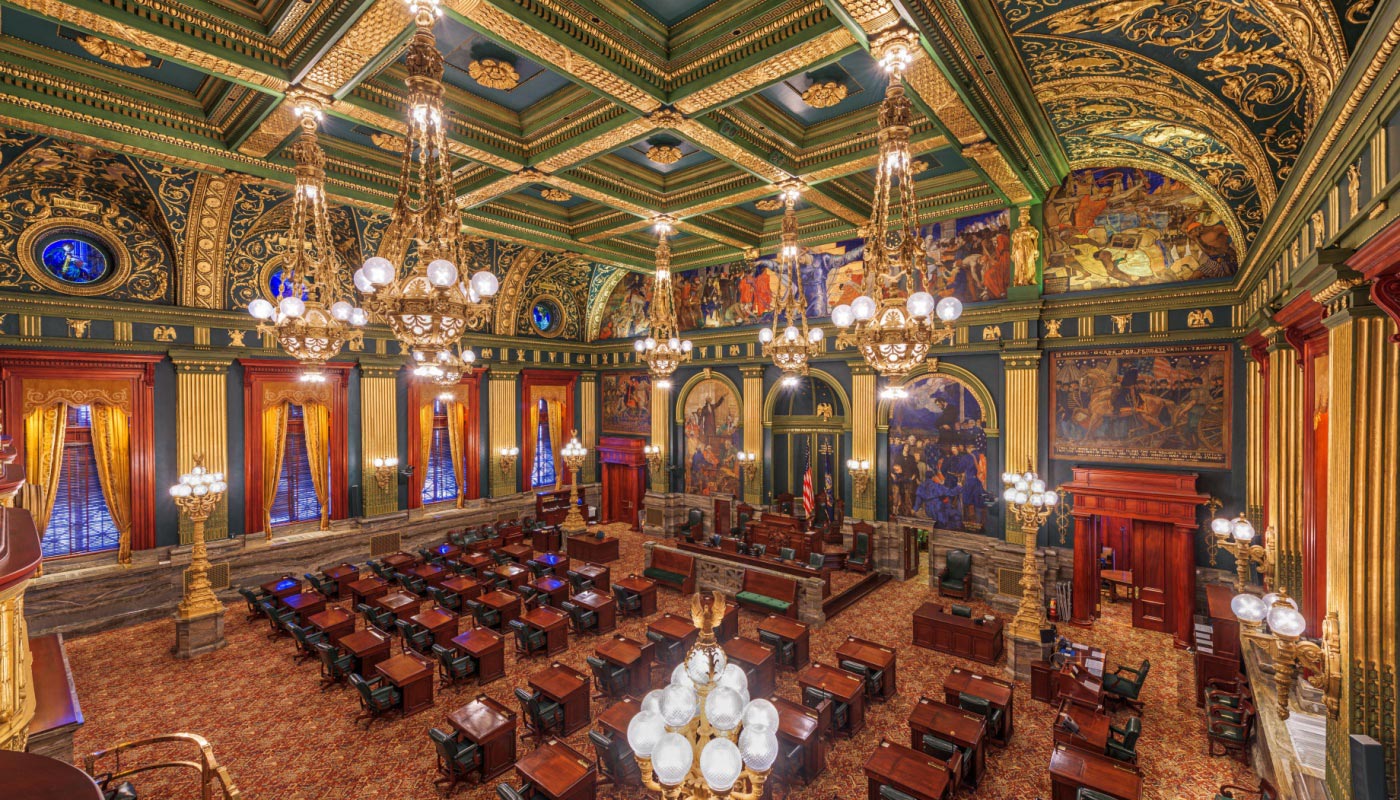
column 809, row 497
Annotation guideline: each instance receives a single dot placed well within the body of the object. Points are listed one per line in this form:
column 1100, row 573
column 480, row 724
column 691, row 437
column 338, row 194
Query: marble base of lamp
column 1021, row 652
column 196, row 636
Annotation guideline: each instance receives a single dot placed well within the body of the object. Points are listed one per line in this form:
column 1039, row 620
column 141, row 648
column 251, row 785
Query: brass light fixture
column 506, row 459
column 196, row 495
column 860, row 475
column 656, row 459
column 891, row 324
column 574, row 454
column 1290, row 650
column 789, row 341
column 663, row 349
column 1029, row 501
column 443, row 367
column 426, row 303
column 305, row 321
column 1237, row 537
column 385, row 469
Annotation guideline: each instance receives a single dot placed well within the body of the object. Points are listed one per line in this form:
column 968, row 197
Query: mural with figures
column 713, row 434
column 938, row 455
column 1165, row 406
column 626, row 403
column 1123, row 227
column 625, row 313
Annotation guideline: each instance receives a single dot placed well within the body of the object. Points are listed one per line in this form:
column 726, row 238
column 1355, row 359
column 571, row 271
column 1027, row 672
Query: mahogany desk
column 464, row 587
column 447, row 550
column 558, row 772
column 477, row 561
column 1075, row 684
column 343, row 575
column 491, row 726
column 998, row 692
column 920, row 776
column 367, row 589
column 597, row 573
column 516, row 574
column 569, row 688
column 1093, row 728
column 305, row 604
column 617, row 717
column 963, row 728
column 432, row 574
column 282, row 587
column 558, row 562
column 401, row 604
column 400, row 561
column 369, row 647
column 440, row 622
column 800, row 725
column 556, row 590
column 335, row 622
column 973, row 638
column 489, row 650
column 873, row 657
column 591, row 548
column 35, row 777
column 553, row 623
column 758, row 662
column 1071, row 768
column 794, row 567
column 729, row 623
column 508, row 603
column 843, row 686
column 601, row 604
column 645, row 587
column 677, row 629
column 542, row 540
column 519, row 552
column 635, row 658
column 792, row 631
column 413, row 676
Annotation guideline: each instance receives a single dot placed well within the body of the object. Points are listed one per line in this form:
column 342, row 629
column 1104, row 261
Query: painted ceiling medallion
column 665, row 154
column 824, row 94
column 918, row 165
column 494, row 74
column 556, row 195
column 114, row 53
column 771, row 204
column 387, row 141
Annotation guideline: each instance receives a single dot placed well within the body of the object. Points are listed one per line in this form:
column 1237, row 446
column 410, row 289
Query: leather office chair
column 335, row 666
column 955, row 579
column 615, row 762
column 816, row 561
column 1122, row 742
column 1119, row 688
column 825, row 705
column 739, row 530
column 429, row 557
column 448, row 599
column 790, row 766
column 585, row 620
column 453, row 666
column 947, row 752
column 874, row 678
column 414, row 584
column 415, row 637
column 498, row 582
column 785, row 652
column 538, row 569
column 759, row 549
column 375, row 700
column 277, row 618
column 325, row 587
column 306, row 640
column 980, row 705
column 543, row 716
column 457, row 761
column 381, row 569
column 669, row 652
column 891, row 793
column 485, row 616
column 859, row 558
column 628, row 602
column 499, row 557
column 579, row 583
column 959, row 610
column 459, row 568
column 459, row 538
column 505, row 791
column 529, row 640
column 693, row 526
column 251, row 598
column 1230, row 729
column 1226, row 693
column 530, row 597
column 609, row 679
column 377, row 617
column 1086, row 793
column 786, row 554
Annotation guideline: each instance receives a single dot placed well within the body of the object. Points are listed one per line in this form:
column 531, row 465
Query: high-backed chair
column 1230, row 693
column 784, row 651
column 446, row 598
column 457, row 760
column 824, row 703
column 982, row 706
column 380, row 618
column 326, row 587
column 381, row 569
column 585, row 620
column 816, row 561
column 874, row 678
column 1125, row 684
column 306, row 641
column 859, row 557
column 950, row 754
column 504, row 791
column 377, row 698
column 742, row 527
column 277, row 617
column 615, row 762
column 955, row 579
column 529, row 640
column 414, row 584
column 669, row 652
column 335, row 665
column 1230, row 730
column 1122, row 742
column 609, row 679
column 415, row 637
column 459, row 568
column 693, row 526
column 539, row 569
column 786, row 553
column 485, row 616
column 454, row 666
column 501, row 558
column 791, row 767
column 579, row 583
column 888, row 792
column 960, row 610
column 628, row 601
column 1086, row 793
column 543, row 717
column 759, row 550
column 251, row 597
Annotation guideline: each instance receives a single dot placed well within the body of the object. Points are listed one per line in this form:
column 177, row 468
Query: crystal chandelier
column 702, row 737
column 443, row 367
column 429, row 306
column 663, row 350
column 797, row 343
column 890, row 322
column 310, row 327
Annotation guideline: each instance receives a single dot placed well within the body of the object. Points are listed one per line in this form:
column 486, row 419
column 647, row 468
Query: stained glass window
column 80, row 522
column 543, row 472
column 544, row 316
column 74, row 259
column 296, row 495
column 439, row 478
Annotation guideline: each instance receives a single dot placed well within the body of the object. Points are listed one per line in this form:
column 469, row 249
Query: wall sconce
column 1237, row 537
column 1289, row 650
column 384, row 471
column 655, row 458
column 748, row 462
column 860, row 475
column 506, row 458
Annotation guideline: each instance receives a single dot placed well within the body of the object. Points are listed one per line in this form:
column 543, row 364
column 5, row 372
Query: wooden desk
column 516, row 574
column 520, row 552
column 440, row 622
column 769, row 561
column 508, row 603
column 800, row 725
column 676, row 628
column 601, row 604
column 555, row 589
column 400, row 561
column 447, row 550
column 282, row 587
column 368, row 588
column 413, row 676
column 542, row 540
column 477, row 561
column 432, row 574
column 963, row 728
column 645, row 587
column 792, row 631
column 559, row 772
column 553, row 623
column 729, row 623
column 558, row 562
column 489, row 650
column 1093, row 728
column 369, row 647
column 569, row 688
column 917, row 775
column 591, row 548
column 998, row 692
column 401, row 604
column 871, row 656
column 632, row 656
column 343, row 575
column 464, row 587
column 305, row 604
column 976, row 638
column 57, row 712
column 843, row 686
column 1116, row 578
column 335, row 622
column 1075, row 684
column 491, row 726
column 1071, row 768
column 597, row 573
column 615, row 719
column 758, row 662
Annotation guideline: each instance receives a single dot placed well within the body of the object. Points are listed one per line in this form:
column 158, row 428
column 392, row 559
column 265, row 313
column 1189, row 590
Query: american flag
column 809, row 495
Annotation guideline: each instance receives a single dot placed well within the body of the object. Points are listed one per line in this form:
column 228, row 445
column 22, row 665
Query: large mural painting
column 712, row 436
column 968, row 258
column 625, row 313
column 1163, row 406
column 626, row 403
column 1124, row 227
column 938, row 455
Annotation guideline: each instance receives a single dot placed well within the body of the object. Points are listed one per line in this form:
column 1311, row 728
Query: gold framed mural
column 713, row 434
column 626, row 403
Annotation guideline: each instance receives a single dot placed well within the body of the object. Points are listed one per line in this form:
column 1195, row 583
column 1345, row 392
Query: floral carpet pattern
column 282, row 738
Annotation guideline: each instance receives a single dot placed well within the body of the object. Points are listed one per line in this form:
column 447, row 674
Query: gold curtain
column 274, row 446
column 456, row 440
column 316, row 419
column 44, row 429
column 111, row 449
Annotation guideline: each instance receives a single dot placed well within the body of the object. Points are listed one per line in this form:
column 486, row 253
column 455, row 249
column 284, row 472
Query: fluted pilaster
column 864, row 404
column 753, row 431
column 1022, row 375
column 504, row 409
column 201, row 426
column 588, row 423
column 379, row 434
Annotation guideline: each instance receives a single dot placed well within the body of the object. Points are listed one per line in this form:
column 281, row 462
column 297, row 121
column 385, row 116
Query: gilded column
column 379, row 433
column 1284, row 509
column 1256, row 427
column 753, row 432
column 1362, row 521
column 588, row 423
column 864, row 402
column 661, row 436
column 1020, row 432
column 201, row 426
column 505, row 426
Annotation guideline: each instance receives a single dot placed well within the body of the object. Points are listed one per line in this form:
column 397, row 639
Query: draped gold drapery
column 274, row 446
column 111, row 449
column 456, row 440
column 44, row 429
column 316, row 422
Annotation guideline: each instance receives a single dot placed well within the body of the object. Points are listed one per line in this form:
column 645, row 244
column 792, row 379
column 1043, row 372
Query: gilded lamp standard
column 891, row 323
column 305, row 321
column 574, row 454
column 1237, row 537
column 789, row 341
column 429, row 306
column 662, row 350
column 1029, row 502
column 199, row 619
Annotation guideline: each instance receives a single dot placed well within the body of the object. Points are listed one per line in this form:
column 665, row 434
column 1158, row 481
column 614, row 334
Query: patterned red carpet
column 284, row 739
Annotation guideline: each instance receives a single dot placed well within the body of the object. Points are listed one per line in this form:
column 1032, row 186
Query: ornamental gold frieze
column 617, row 194
column 993, row 163
column 595, row 145
column 372, row 32
column 731, row 199
column 873, row 16
column 44, row 82
column 501, row 186
column 581, row 124
column 396, row 125
column 481, row 129
column 631, row 226
column 272, row 131
column 708, row 231
column 114, row 52
column 820, row 199
column 753, row 36
column 725, row 147
column 931, row 86
column 779, row 66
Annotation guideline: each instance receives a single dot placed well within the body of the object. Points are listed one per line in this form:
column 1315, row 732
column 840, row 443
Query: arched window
column 80, row 522
column 296, row 495
column 439, row 477
column 543, row 472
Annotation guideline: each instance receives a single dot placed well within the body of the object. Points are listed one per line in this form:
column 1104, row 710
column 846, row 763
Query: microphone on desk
column 1068, row 723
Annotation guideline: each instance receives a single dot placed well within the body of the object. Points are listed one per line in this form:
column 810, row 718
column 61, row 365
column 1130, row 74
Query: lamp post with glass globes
column 574, row 454
column 199, row 619
column 1029, row 502
column 1237, row 537
column 1288, row 648
column 702, row 736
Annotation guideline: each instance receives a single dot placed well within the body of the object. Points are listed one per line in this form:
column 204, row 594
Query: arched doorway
column 809, row 425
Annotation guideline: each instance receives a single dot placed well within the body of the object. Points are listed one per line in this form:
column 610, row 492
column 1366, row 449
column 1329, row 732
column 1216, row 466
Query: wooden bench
column 669, row 568
column 768, row 593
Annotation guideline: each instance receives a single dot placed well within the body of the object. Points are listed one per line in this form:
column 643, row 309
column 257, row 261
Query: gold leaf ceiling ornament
column 824, row 94
column 494, row 74
column 665, row 154
column 771, row 204
column 555, row 195
column 114, row 52
column 387, row 141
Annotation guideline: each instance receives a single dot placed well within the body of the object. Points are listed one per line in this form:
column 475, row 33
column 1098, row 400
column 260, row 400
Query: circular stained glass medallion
column 545, row 316
column 73, row 257
column 275, row 285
